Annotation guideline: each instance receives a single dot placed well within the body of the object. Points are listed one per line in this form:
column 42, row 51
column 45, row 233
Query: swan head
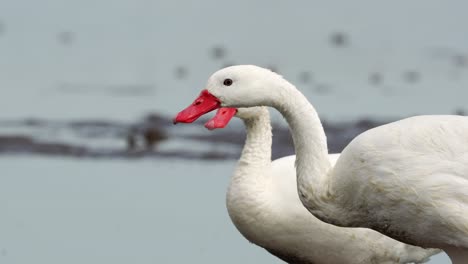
column 235, row 86
column 225, row 114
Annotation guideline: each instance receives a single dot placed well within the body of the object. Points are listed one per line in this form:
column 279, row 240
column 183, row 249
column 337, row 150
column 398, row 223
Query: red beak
column 205, row 102
column 221, row 119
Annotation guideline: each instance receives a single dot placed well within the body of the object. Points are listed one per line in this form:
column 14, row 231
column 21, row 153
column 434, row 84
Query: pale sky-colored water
column 140, row 43
column 58, row 211
column 147, row 211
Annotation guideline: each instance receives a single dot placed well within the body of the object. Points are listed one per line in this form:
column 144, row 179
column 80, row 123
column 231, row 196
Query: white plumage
column 263, row 204
column 407, row 179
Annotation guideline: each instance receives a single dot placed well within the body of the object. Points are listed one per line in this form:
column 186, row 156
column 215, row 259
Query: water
column 119, row 211
column 146, row 211
column 140, row 46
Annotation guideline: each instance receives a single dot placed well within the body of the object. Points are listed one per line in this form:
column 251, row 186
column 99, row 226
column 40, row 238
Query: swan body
column 407, row 179
column 263, row 204
column 418, row 169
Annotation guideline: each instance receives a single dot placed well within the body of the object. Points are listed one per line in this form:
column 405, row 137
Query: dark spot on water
column 411, row 76
column 153, row 136
column 375, row 78
column 273, row 68
column 305, row 77
column 66, row 38
column 460, row 112
column 4, row 252
column 460, row 61
column 218, row 52
column 366, row 124
column 180, row 72
column 339, row 39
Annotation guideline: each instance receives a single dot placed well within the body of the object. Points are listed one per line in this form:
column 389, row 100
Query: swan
column 407, row 179
column 263, row 204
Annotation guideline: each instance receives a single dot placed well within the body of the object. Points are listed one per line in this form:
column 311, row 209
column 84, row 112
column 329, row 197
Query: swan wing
column 407, row 179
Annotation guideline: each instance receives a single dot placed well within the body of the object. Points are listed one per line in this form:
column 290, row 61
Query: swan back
column 418, row 169
column 264, row 205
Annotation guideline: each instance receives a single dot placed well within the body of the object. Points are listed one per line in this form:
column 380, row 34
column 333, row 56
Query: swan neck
column 310, row 143
column 250, row 181
column 257, row 147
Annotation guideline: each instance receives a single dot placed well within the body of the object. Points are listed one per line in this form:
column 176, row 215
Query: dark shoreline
column 143, row 138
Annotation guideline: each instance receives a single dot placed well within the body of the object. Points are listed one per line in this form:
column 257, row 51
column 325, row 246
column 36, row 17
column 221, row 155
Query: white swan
column 263, row 204
column 407, row 179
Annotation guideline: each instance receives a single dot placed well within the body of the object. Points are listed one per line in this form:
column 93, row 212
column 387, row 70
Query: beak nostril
column 197, row 103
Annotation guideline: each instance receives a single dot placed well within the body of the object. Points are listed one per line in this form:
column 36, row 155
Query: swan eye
column 227, row 82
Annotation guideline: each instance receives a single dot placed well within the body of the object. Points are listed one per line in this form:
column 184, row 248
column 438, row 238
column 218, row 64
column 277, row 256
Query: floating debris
column 339, row 39
column 180, row 72
column 411, row 76
column 305, row 77
column 375, row 78
column 66, row 38
column 218, row 52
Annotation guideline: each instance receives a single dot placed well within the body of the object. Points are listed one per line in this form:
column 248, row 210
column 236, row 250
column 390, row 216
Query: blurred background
column 92, row 169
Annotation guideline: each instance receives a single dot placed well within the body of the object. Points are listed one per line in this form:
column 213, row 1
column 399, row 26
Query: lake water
column 120, row 211
column 121, row 58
